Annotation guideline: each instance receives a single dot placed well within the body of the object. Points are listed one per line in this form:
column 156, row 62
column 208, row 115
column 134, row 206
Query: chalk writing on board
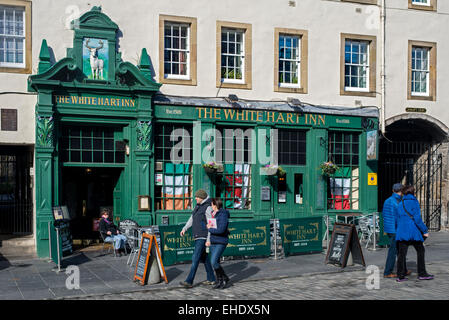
column 338, row 246
column 143, row 257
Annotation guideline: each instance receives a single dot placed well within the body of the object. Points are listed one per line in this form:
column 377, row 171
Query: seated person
column 111, row 233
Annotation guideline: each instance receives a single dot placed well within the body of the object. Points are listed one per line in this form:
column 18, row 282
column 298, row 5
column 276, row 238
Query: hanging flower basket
column 328, row 168
column 213, row 167
column 272, row 170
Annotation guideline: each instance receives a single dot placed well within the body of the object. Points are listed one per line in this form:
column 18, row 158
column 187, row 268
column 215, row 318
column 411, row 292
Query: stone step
column 17, row 245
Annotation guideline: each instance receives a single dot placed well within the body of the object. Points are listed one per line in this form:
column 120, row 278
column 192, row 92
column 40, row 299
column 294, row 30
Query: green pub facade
column 106, row 137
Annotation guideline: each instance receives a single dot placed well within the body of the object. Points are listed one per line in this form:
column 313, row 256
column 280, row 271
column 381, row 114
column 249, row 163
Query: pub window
column 91, row 145
column 292, row 147
column 234, row 187
column 344, row 185
column 174, row 179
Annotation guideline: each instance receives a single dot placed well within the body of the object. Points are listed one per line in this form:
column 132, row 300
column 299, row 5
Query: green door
column 289, row 194
column 118, row 198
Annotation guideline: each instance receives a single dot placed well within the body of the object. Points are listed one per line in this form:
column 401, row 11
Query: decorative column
column 45, row 147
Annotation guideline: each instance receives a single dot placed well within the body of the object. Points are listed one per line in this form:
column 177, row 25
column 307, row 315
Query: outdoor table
column 348, row 215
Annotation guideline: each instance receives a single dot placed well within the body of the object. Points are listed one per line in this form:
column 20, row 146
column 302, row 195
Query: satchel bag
column 411, row 217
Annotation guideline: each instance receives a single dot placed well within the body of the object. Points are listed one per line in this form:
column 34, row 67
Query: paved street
column 341, row 286
column 302, row 277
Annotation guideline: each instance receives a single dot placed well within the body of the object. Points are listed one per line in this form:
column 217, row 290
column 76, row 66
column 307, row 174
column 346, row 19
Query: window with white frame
column 356, row 65
column 232, row 55
column 420, row 71
column 176, row 50
column 12, row 36
column 289, row 60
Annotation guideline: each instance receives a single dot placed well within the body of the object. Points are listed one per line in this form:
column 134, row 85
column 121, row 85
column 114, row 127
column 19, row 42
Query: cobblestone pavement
column 330, row 286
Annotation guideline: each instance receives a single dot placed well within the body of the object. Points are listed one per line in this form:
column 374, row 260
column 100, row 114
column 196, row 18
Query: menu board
column 148, row 247
column 344, row 240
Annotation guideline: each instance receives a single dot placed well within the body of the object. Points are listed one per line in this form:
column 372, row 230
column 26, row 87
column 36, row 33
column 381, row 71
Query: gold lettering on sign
column 246, row 115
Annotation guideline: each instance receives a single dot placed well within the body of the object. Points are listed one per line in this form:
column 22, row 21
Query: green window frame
column 344, row 186
column 234, row 186
column 173, row 179
column 81, row 144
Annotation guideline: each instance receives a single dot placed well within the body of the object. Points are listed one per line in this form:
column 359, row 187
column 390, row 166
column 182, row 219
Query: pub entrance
column 85, row 191
column 289, row 200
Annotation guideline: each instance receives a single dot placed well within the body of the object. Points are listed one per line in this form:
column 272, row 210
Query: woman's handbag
column 411, row 217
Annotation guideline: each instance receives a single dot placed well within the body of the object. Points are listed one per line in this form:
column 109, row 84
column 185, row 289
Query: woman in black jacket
column 218, row 240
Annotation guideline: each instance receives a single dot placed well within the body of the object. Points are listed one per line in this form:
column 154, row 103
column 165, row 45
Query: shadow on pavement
column 4, row 263
column 240, row 271
column 172, row 274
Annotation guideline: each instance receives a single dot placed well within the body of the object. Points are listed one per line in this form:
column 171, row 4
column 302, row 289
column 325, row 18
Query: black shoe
column 224, row 279
column 118, row 253
column 219, row 281
column 186, row 284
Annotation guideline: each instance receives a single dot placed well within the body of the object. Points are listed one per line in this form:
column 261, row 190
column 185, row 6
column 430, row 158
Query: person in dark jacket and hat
column 198, row 221
column 218, row 240
column 411, row 230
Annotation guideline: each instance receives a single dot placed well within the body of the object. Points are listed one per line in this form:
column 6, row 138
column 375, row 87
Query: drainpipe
column 382, row 67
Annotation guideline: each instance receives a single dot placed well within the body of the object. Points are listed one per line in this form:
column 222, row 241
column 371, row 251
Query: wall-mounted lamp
column 127, row 149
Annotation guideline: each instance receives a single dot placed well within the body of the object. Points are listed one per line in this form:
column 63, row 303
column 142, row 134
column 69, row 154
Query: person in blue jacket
column 389, row 213
column 219, row 235
column 410, row 231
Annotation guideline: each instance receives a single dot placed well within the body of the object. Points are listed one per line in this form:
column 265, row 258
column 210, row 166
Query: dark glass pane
column 87, row 156
column 347, row 159
column 86, row 132
column 108, row 133
column 75, row 156
column 87, row 143
column 98, row 156
column 97, row 133
column 346, row 148
column 338, row 159
column 108, row 144
column 355, row 148
column 75, row 143
column 119, row 157
column 108, row 156
column 98, row 144
column 355, row 160
column 75, row 132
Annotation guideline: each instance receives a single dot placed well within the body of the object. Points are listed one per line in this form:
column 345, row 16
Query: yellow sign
column 372, row 179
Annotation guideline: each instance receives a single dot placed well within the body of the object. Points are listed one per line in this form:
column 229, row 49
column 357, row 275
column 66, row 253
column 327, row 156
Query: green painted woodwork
column 68, row 97
column 123, row 100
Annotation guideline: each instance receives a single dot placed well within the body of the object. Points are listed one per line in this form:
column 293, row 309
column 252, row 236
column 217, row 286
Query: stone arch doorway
column 414, row 150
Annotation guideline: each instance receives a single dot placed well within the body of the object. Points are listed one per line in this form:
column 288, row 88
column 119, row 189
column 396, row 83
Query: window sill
column 21, row 69
column 357, row 93
column 422, row 7
column 231, row 85
column 179, row 81
column 287, row 89
column 417, row 97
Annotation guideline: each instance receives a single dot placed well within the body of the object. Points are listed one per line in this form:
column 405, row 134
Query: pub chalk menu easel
column 148, row 247
column 344, row 240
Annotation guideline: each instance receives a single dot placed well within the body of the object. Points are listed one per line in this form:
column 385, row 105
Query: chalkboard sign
column 148, row 247
column 65, row 235
column 344, row 240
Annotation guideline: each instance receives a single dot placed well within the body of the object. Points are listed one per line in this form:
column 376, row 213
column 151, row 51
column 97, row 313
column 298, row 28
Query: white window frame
column 366, row 65
column 296, row 59
column 186, row 50
column 427, row 3
column 5, row 36
column 241, row 55
column 427, row 71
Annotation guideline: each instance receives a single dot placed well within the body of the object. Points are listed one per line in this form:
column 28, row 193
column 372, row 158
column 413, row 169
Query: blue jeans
column 118, row 239
column 200, row 255
column 391, row 257
column 216, row 250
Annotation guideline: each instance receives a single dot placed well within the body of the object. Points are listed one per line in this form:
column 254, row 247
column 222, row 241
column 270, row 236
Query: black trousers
column 402, row 257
